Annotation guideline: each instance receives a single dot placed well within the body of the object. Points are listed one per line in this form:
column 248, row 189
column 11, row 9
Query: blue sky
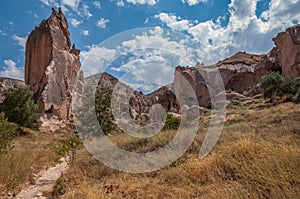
column 214, row 30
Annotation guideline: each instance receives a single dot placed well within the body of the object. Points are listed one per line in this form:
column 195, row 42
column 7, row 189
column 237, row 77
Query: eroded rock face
column 136, row 104
column 7, row 84
column 288, row 50
column 242, row 72
column 52, row 67
column 237, row 72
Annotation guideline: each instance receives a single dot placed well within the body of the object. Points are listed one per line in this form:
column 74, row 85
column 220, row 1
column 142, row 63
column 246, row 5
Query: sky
column 142, row 41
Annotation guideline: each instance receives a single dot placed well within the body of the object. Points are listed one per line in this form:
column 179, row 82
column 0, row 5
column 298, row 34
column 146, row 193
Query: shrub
column 104, row 114
column 59, row 188
column 275, row 84
column 271, row 84
column 19, row 107
column 8, row 131
column 67, row 146
column 172, row 123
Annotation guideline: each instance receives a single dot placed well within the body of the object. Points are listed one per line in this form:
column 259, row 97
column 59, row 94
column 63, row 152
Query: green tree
column 104, row 114
column 19, row 107
column 275, row 84
column 271, row 83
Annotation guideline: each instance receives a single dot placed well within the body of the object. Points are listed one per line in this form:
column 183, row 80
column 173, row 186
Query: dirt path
column 44, row 182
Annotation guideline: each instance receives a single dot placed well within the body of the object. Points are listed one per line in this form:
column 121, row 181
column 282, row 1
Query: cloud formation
column 149, row 2
column 193, row 2
column 244, row 32
column 85, row 32
column 75, row 23
column 102, row 23
column 97, row 4
column 20, row 40
column 11, row 70
column 146, row 52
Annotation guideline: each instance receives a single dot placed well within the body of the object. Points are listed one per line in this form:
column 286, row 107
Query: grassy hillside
column 257, row 156
column 30, row 152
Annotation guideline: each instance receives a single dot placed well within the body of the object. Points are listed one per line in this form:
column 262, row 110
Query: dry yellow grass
column 30, row 154
column 257, row 156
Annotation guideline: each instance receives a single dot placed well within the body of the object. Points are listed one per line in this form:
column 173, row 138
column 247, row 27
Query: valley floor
column 257, row 156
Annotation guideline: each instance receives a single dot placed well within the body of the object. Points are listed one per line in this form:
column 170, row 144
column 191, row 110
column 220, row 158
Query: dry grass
column 31, row 153
column 257, row 156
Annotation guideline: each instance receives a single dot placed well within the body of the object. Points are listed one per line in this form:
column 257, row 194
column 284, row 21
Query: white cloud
column 150, row 57
column 139, row 71
column 193, row 2
column 11, row 70
column 102, row 23
column 244, row 32
column 173, row 21
column 84, row 11
column 95, row 59
column 81, row 9
column 71, row 3
column 2, row 33
column 97, row 4
column 47, row 2
column 20, row 40
column 31, row 13
column 120, row 3
column 75, row 23
column 85, row 32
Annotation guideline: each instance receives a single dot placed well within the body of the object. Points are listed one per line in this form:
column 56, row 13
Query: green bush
column 172, row 123
column 68, row 145
column 8, row 131
column 104, row 114
column 275, row 84
column 19, row 107
column 59, row 188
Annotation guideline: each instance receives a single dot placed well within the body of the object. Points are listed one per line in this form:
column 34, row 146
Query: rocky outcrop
column 288, row 51
column 52, row 67
column 242, row 72
column 7, row 84
column 135, row 103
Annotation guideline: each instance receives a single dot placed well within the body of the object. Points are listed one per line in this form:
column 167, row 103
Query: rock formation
column 136, row 103
column 242, row 72
column 52, row 70
column 52, row 67
column 288, row 51
column 7, row 84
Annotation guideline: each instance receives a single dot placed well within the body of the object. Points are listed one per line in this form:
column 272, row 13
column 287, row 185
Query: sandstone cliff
column 242, row 72
column 288, row 51
column 52, row 66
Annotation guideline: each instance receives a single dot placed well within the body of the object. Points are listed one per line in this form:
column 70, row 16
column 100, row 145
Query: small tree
column 275, row 84
column 271, row 83
column 104, row 114
column 19, row 107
